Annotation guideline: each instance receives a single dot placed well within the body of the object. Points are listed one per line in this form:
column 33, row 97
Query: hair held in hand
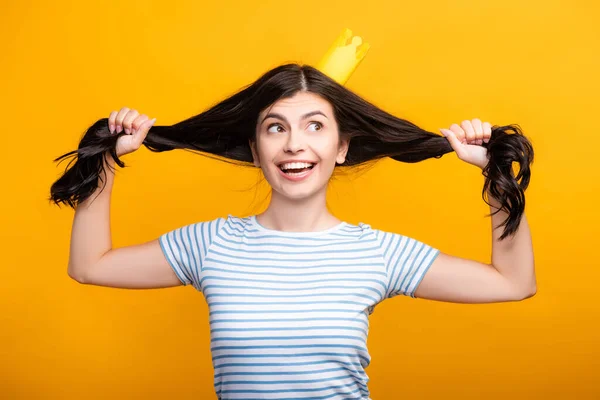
column 225, row 129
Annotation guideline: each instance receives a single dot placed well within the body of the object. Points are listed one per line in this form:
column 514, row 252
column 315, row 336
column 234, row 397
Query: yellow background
column 432, row 62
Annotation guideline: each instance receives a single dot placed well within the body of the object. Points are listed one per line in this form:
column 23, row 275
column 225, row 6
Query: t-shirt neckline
column 258, row 226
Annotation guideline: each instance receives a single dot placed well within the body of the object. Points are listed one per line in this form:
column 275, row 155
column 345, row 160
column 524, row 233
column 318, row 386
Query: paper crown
column 343, row 56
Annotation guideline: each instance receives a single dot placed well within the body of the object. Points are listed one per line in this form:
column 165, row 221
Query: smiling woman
column 289, row 291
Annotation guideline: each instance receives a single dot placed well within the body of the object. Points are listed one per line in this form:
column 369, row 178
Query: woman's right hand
column 136, row 128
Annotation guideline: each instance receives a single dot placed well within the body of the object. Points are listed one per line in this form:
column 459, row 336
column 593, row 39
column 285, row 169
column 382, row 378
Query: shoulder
column 211, row 226
column 381, row 235
column 368, row 232
column 234, row 223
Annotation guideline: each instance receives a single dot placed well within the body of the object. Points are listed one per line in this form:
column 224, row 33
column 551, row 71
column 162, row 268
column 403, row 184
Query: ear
column 342, row 150
column 254, row 153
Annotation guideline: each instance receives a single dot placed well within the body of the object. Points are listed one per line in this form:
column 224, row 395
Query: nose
column 294, row 142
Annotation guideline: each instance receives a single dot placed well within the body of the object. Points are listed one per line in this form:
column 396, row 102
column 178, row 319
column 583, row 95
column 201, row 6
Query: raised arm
column 92, row 260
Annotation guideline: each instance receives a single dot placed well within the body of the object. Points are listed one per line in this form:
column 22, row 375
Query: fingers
column 119, row 119
column 142, row 131
column 137, row 123
column 454, row 141
column 129, row 117
column 469, row 131
column 111, row 121
column 472, row 132
column 459, row 133
column 487, row 132
column 125, row 119
column 136, row 128
column 478, row 129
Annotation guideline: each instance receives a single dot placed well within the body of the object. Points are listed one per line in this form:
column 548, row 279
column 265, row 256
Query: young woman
column 290, row 290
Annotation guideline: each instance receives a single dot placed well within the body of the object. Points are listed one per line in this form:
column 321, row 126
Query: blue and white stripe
column 289, row 311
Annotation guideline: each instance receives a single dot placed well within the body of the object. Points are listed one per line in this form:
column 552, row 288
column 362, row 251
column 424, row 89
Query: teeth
column 295, row 165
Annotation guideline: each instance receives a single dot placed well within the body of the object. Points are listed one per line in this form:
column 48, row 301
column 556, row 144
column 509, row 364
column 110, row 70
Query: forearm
column 90, row 235
column 513, row 256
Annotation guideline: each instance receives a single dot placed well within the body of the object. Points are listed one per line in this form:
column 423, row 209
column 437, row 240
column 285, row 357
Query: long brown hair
column 225, row 129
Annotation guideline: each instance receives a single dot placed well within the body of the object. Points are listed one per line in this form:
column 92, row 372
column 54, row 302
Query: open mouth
column 296, row 168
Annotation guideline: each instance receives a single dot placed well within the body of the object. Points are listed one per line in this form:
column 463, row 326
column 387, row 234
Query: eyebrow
column 281, row 117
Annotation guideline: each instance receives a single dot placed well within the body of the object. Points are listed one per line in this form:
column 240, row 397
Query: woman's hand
column 466, row 141
column 136, row 128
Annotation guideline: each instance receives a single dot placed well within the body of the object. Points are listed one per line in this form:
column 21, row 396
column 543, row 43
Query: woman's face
column 301, row 128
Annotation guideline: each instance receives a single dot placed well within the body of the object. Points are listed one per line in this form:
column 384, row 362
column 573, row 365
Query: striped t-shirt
column 289, row 311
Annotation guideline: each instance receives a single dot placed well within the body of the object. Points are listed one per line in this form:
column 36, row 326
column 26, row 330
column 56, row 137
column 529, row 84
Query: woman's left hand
column 466, row 141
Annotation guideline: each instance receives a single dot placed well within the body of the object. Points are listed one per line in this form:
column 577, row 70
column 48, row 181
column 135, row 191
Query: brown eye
column 272, row 125
column 318, row 124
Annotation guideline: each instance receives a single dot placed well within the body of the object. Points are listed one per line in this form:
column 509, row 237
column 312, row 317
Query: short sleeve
column 185, row 249
column 406, row 261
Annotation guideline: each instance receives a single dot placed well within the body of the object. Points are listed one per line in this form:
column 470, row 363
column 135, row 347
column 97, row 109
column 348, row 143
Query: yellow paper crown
column 343, row 56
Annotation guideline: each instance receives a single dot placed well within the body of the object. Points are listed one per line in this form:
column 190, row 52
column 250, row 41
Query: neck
column 303, row 215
